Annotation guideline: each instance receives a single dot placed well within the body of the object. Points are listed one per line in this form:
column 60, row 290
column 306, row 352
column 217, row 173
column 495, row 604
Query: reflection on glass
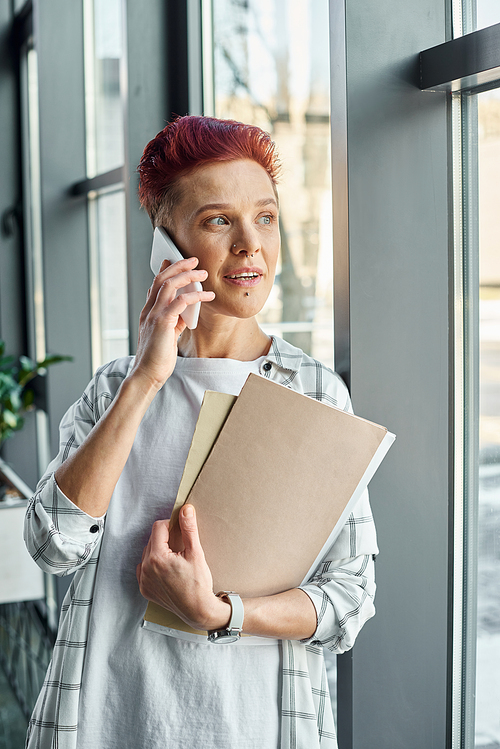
column 109, row 278
column 488, row 594
column 103, row 53
column 271, row 68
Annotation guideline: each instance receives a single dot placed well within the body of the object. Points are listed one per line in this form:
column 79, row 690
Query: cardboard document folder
column 273, row 475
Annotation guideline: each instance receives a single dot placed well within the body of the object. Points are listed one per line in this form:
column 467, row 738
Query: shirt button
column 94, row 528
column 267, row 366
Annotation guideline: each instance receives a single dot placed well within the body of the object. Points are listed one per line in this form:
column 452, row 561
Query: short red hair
column 192, row 141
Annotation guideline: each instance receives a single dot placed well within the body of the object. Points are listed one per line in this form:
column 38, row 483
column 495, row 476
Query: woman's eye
column 265, row 219
column 217, row 221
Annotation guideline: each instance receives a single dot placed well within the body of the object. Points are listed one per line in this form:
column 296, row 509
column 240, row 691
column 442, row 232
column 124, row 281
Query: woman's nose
column 246, row 242
column 245, row 249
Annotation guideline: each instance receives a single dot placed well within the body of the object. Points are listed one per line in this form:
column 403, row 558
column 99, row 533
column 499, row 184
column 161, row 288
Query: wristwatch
column 232, row 632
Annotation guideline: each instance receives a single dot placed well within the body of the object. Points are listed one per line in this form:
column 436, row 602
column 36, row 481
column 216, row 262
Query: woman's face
column 227, row 217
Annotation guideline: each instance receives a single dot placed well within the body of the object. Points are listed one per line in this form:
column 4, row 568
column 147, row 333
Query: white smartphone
column 164, row 248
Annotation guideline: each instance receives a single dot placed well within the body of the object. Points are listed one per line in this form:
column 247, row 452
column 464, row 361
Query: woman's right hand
column 89, row 475
column 160, row 324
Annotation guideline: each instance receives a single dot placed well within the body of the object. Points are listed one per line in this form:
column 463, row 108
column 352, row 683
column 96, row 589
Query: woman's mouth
column 244, row 277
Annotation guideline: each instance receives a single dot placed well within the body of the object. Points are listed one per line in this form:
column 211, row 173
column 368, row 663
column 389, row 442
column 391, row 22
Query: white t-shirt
column 142, row 689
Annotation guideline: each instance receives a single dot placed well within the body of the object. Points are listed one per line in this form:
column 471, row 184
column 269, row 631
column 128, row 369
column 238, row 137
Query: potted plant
column 16, row 398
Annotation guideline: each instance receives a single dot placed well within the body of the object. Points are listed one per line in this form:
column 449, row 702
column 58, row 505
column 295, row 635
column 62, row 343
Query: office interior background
column 387, row 118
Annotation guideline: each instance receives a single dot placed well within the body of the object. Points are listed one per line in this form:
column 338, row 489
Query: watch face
column 223, row 637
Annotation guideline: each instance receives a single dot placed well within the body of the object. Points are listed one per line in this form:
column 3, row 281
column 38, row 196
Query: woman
column 212, row 185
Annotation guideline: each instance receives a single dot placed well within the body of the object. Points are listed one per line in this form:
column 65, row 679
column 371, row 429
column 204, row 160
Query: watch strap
column 237, row 609
column 232, row 632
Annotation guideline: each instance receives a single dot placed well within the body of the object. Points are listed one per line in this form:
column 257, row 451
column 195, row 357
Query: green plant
column 15, row 397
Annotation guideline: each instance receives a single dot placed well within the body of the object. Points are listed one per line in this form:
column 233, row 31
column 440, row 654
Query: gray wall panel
column 64, row 219
column 147, row 113
column 398, row 215
column 11, row 266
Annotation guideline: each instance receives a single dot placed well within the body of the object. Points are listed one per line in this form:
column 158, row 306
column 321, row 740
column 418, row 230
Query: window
column 33, row 226
column 487, row 723
column 271, row 68
column 476, row 522
column 477, row 340
column 104, row 43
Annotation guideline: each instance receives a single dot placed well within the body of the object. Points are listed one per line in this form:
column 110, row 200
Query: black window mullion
column 115, row 177
column 469, row 63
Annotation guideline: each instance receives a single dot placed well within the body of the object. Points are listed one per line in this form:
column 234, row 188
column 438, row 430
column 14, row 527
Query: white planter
column 20, row 578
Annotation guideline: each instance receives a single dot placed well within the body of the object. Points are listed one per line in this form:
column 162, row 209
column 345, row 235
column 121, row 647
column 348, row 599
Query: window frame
column 464, row 67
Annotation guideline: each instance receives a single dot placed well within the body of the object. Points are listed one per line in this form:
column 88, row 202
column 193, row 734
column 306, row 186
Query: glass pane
column 103, row 53
column 109, row 278
column 271, row 68
column 488, row 13
column 488, row 593
column 32, row 203
column 32, row 214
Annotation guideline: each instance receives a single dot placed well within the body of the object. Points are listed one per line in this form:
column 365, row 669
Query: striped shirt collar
column 284, row 355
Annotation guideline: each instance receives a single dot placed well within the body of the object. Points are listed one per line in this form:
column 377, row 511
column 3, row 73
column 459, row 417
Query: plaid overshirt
column 59, row 538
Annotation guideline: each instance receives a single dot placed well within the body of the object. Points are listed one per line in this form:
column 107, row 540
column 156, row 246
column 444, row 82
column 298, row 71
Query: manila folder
column 279, row 485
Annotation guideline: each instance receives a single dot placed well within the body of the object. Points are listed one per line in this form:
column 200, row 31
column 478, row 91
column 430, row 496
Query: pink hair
column 192, row 141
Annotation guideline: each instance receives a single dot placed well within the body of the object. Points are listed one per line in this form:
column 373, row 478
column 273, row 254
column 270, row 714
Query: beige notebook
column 276, row 488
column 214, row 411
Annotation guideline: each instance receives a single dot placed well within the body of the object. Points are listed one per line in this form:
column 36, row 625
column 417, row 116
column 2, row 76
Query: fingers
column 170, row 311
column 184, row 278
column 159, row 534
column 182, row 265
column 185, row 264
column 189, row 531
column 159, row 537
column 182, row 301
column 171, row 271
column 170, row 280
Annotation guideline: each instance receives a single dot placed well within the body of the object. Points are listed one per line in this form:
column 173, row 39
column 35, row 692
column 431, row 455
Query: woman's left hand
column 181, row 581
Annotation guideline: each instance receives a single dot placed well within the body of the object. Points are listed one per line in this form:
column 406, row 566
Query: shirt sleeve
column 342, row 588
column 60, row 536
column 342, row 592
